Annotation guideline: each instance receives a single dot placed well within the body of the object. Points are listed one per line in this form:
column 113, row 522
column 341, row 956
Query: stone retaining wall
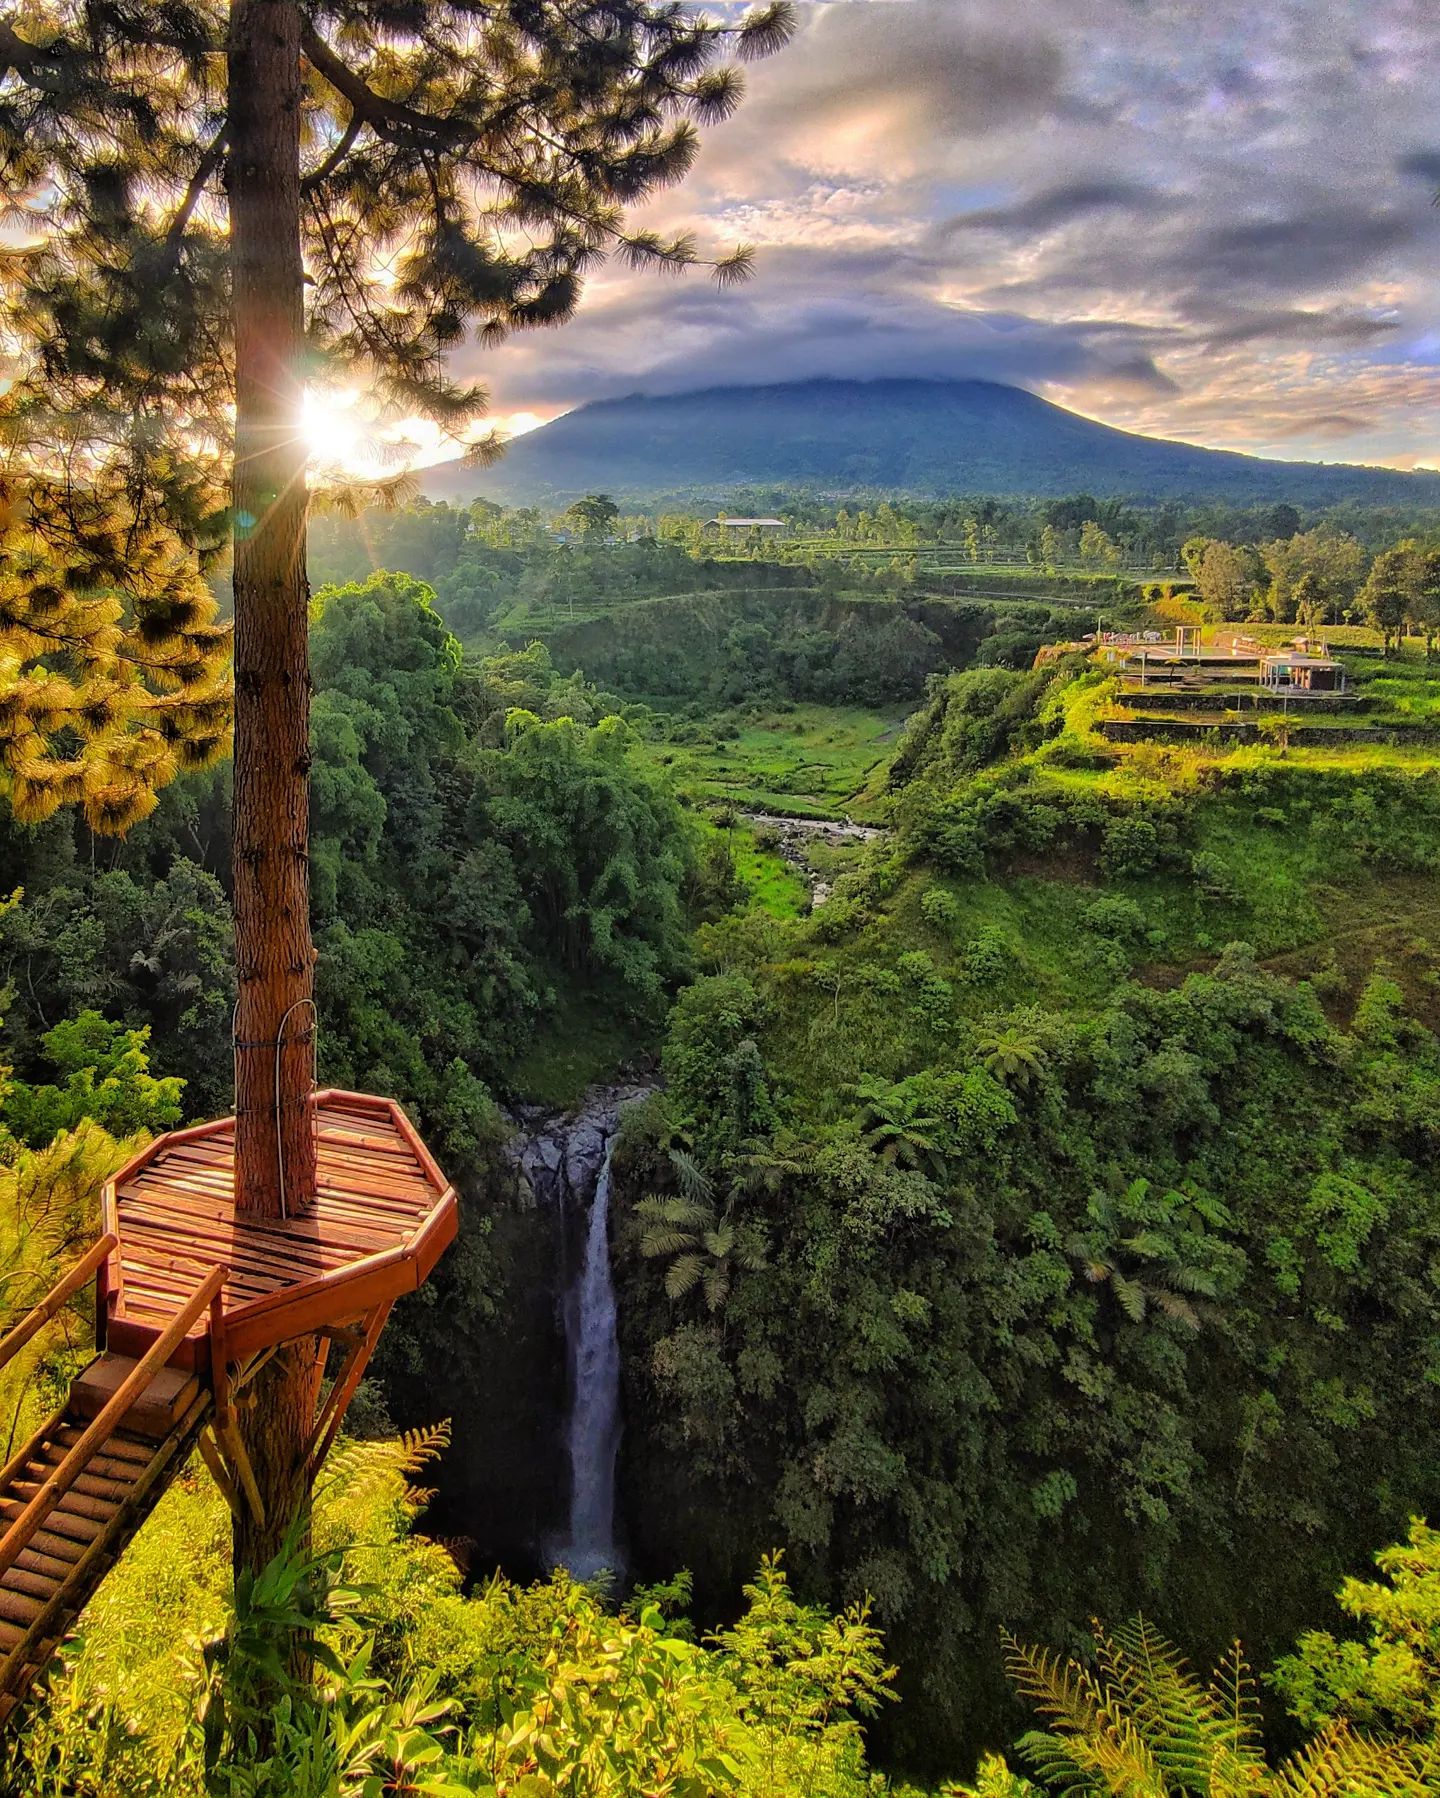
column 1213, row 702
column 1185, row 730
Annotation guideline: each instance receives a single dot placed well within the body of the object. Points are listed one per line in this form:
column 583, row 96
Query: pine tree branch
column 16, row 55
column 204, row 172
column 383, row 116
column 343, row 146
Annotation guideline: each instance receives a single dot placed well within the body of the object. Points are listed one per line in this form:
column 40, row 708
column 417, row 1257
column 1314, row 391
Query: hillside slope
column 903, row 436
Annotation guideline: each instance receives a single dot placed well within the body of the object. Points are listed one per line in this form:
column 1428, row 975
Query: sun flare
column 334, row 432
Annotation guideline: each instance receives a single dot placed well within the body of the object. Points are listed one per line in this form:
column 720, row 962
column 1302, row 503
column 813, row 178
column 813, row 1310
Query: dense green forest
column 1060, row 1194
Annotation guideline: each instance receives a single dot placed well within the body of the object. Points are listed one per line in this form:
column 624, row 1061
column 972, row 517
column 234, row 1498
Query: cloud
column 1228, row 326
column 1302, row 251
column 1325, row 425
column 1063, row 205
column 1421, row 165
column 883, row 85
column 1194, row 220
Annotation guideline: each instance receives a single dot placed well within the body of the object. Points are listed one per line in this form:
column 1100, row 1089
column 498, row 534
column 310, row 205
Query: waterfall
column 593, row 1427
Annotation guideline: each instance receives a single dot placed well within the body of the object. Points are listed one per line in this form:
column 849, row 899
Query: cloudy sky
column 1206, row 219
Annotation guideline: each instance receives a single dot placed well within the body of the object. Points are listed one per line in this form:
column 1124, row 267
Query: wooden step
column 17, row 1607
column 100, row 1466
column 51, row 1567
column 158, row 1409
column 34, row 1585
column 61, row 1522
column 124, row 1451
column 39, row 1471
column 60, row 1549
column 75, row 1502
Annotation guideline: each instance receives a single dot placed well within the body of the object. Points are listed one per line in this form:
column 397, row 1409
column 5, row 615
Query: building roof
column 1297, row 658
column 745, row 523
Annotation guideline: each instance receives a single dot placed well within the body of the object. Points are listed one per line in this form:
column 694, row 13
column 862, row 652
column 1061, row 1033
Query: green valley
column 1021, row 1200
column 719, row 899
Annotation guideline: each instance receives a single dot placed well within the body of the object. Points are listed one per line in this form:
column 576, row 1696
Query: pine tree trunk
column 274, row 1148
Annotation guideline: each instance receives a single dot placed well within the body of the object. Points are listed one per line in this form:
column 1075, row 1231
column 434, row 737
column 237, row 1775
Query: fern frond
column 1058, row 1689
column 1178, row 1309
column 1341, row 1764
column 684, row 1214
column 662, row 1240
column 695, row 1183
column 1232, row 1691
column 683, row 1275
column 1180, row 1719
column 360, row 1467
column 1131, row 1296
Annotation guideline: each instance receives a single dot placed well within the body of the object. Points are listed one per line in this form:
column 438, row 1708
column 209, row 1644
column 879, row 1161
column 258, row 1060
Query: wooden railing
column 57, row 1298
column 109, row 1419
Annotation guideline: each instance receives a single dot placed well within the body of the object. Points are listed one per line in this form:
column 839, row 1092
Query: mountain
column 919, row 437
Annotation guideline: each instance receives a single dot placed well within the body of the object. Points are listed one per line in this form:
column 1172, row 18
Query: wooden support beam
column 57, row 1298
column 110, row 1418
column 327, row 1424
column 348, row 1336
column 317, row 1367
column 248, row 1371
column 219, row 1472
column 229, row 1442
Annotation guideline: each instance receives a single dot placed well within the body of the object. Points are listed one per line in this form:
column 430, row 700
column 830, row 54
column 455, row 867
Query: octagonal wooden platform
column 382, row 1216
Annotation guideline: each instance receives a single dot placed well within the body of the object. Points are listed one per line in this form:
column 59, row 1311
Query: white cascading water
column 594, row 1427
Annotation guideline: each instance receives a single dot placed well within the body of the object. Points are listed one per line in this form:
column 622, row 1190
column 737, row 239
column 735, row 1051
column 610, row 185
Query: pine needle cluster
column 114, row 667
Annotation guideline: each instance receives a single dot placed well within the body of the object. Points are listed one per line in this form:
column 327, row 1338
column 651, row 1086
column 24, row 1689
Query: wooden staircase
column 77, row 1491
column 192, row 1299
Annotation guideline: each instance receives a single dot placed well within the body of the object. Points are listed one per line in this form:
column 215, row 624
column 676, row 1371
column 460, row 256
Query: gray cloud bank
column 1210, row 221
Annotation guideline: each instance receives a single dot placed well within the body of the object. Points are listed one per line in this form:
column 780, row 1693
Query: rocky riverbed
column 799, row 837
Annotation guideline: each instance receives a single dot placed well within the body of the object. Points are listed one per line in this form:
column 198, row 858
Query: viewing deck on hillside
column 382, row 1216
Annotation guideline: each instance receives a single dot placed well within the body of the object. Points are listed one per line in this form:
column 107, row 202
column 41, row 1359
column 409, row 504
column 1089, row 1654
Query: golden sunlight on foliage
column 114, row 672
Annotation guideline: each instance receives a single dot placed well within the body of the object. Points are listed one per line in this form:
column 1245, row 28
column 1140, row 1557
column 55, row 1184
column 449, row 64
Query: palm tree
column 900, row 1123
column 1140, row 1724
column 703, row 1249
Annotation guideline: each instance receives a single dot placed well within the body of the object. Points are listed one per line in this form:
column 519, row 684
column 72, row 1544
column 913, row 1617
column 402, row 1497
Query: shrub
column 989, row 957
column 939, row 910
column 1131, row 846
column 1214, row 877
column 1070, row 750
column 1122, row 920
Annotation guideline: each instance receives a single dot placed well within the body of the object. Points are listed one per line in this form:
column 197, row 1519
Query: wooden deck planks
column 377, row 1198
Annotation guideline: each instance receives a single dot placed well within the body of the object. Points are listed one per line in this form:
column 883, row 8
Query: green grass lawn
column 810, row 761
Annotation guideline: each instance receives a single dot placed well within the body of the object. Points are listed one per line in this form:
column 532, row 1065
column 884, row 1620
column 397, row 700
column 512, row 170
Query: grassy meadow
column 803, row 760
